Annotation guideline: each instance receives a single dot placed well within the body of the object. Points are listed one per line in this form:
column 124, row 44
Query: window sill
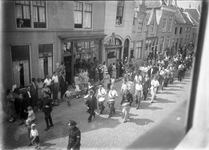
column 28, row 29
column 83, row 28
column 119, row 25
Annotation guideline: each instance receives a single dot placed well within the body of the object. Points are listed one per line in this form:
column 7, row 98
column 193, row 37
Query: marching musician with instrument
column 101, row 98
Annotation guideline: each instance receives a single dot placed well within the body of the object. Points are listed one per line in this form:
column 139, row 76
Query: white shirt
column 47, row 81
column 68, row 93
column 31, row 115
column 155, row 83
column 138, row 87
column 101, row 92
column 34, row 132
column 112, row 94
column 138, row 78
column 124, row 87
column 55, row 79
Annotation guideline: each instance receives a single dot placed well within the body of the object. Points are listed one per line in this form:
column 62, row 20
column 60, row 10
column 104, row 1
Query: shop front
column 151, row 47
column 81, row 54
column 113, row 50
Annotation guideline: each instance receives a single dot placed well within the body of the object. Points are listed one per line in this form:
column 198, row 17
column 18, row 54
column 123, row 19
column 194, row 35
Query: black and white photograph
column 106, row 74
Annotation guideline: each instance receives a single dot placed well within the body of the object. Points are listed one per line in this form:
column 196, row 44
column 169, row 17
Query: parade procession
column 90, row 75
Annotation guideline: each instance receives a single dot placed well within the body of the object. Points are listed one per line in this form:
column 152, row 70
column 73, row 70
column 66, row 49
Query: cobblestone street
column 102, row 132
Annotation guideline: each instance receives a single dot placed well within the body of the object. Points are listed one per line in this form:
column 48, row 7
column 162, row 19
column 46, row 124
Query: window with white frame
column 138, row 50
column 176, row 29
column 23, row 11
column 140, row 24
column 180, row 30
column 26, row 9
column 170, row 22
column 161, row 44
column 167, row 42
column 82, row 15
column 39, row 14
column 152, row 26
column 119, row 15
column 164, row 24
column 87, row 15
column 145, row 26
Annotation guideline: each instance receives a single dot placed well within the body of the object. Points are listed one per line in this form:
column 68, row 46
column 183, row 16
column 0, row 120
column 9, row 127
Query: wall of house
column 60, row 22
column 123, row 31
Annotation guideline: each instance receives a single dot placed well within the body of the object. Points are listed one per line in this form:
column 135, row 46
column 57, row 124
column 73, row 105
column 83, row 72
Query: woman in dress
column 40, row 98
column 114, row 71
column 106, row 80
column 10, row 106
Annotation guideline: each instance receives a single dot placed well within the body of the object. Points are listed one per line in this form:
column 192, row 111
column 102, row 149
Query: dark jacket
column 48, row 102
column 33, row 89
column 147, row 84
column 155, row 69
column 74, row 138
column 127, row 97
column 62, row 81
column 92, row 103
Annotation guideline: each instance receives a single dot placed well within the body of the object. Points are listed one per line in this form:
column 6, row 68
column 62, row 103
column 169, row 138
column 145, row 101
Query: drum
column 101, row 99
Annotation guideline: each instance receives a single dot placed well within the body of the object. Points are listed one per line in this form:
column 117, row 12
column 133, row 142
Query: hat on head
column 72, row 123
column 33, row 125
column 91, row 92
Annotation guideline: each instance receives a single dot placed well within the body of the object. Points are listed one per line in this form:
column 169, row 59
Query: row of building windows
column 187, row 29
column 32, row 14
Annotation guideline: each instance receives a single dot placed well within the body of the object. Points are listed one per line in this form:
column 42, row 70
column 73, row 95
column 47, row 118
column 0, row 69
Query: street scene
column 93, row 75
column 97, row 135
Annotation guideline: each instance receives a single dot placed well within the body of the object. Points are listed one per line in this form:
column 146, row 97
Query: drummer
column 101, row 98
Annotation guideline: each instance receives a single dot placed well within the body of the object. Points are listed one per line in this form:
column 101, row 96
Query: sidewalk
column 102, row 132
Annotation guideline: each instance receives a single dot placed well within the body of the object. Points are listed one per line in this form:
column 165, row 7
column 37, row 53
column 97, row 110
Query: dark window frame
column 41, row 4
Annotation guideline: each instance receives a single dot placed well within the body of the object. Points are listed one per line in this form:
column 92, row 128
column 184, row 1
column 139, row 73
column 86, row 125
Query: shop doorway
column 20, row 64
column 68, row 68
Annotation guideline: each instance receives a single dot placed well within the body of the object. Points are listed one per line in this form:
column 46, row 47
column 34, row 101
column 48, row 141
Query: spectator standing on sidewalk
column 39, row 88
column 33, row 92
column 74, row 138
column 55, row 85
column 112, row 94
column 126, row 101
column 10, row 106
column 48, row 82
column 62, row 83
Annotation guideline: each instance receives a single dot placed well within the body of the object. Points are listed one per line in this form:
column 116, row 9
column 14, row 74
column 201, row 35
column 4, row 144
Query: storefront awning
column 81, row 37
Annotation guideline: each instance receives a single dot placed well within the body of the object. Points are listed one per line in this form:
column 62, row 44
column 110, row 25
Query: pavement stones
column 102, row 132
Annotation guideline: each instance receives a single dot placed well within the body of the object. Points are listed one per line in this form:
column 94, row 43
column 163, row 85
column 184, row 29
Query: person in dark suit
column 47, row 109
column 74, row 140
column 23, row 107
column 33, row 92
column 152, row 71
column 91, row 104
column 62, row 82
column 146, row 86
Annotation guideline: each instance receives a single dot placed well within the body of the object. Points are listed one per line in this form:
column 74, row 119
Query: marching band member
column 154, row 85
column 101, row 98
column 112, row 94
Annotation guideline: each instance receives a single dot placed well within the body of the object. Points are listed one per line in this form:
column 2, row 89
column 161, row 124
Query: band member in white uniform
column 101, row 98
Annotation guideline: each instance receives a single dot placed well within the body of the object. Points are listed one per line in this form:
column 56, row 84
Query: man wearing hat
column 91, row 104
column 74, row 136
